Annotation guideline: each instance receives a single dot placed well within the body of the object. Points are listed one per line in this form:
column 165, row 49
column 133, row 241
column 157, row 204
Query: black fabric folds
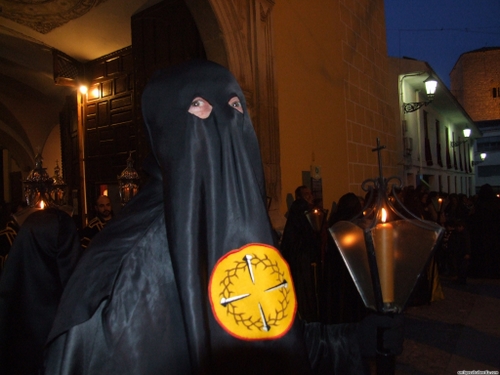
column 331, row 349
column 40, row 263
column 120, row 311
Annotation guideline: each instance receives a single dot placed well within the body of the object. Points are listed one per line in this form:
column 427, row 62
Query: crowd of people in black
column 470, row 247
column 471, row 243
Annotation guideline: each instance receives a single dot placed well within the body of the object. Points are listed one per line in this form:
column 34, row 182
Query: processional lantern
column 128, row 182
column 58, row 191
column 37, row 185
column 387, row 249
column 316, row 217
column 42, row 191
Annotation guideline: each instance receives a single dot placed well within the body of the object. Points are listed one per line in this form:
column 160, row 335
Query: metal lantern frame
column 128, row 182
column 385, row 257
column 38, row 185
column 58, row 192
column 413, row 242
column 316, row 218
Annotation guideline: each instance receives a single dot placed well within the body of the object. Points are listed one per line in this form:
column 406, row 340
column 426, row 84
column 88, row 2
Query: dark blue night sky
column 439, row 31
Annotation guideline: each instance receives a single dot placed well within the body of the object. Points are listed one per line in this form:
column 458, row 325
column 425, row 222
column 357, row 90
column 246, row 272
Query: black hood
column 213, row 182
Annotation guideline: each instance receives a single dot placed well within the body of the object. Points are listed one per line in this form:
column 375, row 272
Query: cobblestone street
column 461, row 332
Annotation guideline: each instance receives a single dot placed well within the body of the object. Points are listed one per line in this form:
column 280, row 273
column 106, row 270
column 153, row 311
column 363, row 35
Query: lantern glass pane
column 430, row 87
column 350, row 240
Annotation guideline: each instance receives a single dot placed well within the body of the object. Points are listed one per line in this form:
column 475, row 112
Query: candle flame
column 384, row 215
column 42, row 205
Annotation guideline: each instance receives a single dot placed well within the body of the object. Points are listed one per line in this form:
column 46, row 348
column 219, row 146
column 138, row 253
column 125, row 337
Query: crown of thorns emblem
column 252, row 294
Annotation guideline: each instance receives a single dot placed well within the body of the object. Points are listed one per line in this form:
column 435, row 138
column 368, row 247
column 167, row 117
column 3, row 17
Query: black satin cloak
column 40, row 262
column 138, row 302
column 301, row 247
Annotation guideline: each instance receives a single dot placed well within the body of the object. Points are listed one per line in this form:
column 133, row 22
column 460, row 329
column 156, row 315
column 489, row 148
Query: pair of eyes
column 202, row 108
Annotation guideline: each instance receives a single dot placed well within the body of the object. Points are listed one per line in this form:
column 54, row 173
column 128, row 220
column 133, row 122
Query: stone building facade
column 475, row 82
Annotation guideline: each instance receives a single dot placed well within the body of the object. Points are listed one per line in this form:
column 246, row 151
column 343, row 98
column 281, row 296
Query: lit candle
column 440, row 201
column 126, row 193
column 384, row 252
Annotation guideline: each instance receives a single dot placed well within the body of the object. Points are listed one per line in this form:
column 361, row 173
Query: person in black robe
column 341, row 302
column 186, row 278
column 484, row 227
column 40, row 262
column 301, row 248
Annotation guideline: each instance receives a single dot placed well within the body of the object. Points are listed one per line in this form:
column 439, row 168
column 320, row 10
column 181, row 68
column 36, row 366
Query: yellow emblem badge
column 252, row 294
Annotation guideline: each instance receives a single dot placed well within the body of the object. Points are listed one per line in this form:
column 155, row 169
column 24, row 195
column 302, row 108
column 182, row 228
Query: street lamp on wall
column 483, row 156
column 467, row 132
column 430, row 90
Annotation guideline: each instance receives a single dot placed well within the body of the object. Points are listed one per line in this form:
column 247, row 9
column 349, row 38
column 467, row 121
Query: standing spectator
column 444, row 257
column 455, row 208
column 8, row 233
column 104, row 213
column 459, row 247
column 484, row 226
column 341, row 302
column 301, row 248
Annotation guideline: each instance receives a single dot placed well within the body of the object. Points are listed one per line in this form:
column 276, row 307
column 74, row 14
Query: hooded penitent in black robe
column 301, row 248
column 40, row 262
column 185, row 280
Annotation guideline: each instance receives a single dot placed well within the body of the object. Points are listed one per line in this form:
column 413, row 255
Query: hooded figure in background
column 185, row 280
column 41, row 260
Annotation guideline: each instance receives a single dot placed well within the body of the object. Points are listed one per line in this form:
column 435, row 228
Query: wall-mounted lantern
column 467, row 131
column 482, row 157
column 430, row 90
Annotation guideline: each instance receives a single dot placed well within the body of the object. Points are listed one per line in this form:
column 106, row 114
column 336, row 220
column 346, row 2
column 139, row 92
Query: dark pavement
column 461, row 332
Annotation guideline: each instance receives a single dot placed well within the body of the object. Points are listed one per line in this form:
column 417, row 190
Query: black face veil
column 211, row 168
column 214, row 194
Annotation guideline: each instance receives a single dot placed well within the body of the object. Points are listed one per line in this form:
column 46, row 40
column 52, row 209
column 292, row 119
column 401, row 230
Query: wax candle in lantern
column 384, row 253
column 440, row 201
column 126, row 193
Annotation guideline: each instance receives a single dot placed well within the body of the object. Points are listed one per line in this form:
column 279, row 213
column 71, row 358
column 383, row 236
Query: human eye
column 236, row 104
column 200, row 108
